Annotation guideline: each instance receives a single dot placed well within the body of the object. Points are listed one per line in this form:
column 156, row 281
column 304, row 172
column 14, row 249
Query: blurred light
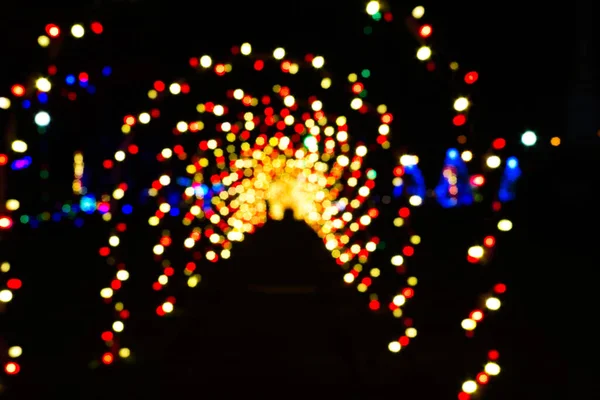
column 493, row 162
column 493, row 303
column 505, row 225
column 42, row 119
column 492, row 369
column 469, row 387
column 18, row 90
column 394, row 347
column 77, row 31
column 19, row 146
column 97, row 28
column 529, row 138
column 424, row 53
column 5, row 222
column 4, row 103
column 15, row 352
column 418, row 12
column 425, row 31
column 43, row 85
column 52, row 30
column 461, row 104
column 373, row 7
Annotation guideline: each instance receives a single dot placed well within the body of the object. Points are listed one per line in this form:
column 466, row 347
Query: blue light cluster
column 21, row 163
column 413, row 183
column 511, row 174
column 455, row 187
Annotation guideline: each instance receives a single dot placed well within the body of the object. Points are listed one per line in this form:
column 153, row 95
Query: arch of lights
column 267, row 151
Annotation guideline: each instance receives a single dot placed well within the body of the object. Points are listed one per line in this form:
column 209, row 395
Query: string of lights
column 456, row 187
column 34, row 95
column 274, row 150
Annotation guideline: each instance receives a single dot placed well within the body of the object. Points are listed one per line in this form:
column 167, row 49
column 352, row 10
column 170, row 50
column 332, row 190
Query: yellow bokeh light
column 19, row 146
column 43, row 85
column 424, row 53
column 469, row 387
column 279, row 53
column 78, row 31
column 461, row 104
column 492, row 369
column 15, row 352
column 493, row 303
column 246, row 49
column 395, row 347
column 44, row 41
column 505, row 225
column 5, row 296
column 418, row 12
column 318, row 62
column 476, row 251
column 373, row 7
column 4, row 103
column 493, row 162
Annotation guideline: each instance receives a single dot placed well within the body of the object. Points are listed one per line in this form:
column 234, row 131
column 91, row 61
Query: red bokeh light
column 159, row 86
column 5, row 222
column 374, row 305
column 358, row 87
column 107, row 358
column 14, row 284
column 482, row 378
column 498, row 144
column 52, row 30
column 3, row 159
column 477, row 180
column 259, row 65
column 425, row 31
column 18, row 90
column 459, row 120
column 476, row 315
column 12, row 368
column 471, row 77
column 220, row 69
column 399, row 171
column 97, row 28
column 129, row 120
column 489, row 241
column 500, row 288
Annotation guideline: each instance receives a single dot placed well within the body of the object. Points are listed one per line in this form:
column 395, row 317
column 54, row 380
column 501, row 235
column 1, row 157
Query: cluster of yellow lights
column 260, row 172
column 78, row 169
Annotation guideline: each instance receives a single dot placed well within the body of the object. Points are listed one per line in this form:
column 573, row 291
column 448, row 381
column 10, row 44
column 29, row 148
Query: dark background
column 536, row 66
